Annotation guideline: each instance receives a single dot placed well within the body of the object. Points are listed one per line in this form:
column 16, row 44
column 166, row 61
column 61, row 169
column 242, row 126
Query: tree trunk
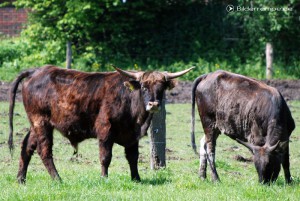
column 269, row 61
column 158, row 139
column 69, row 55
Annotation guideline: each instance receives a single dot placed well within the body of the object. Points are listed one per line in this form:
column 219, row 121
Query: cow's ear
column 132, row 85
column 171, row 84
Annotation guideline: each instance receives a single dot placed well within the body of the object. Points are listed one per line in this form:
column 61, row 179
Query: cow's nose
column 152, row 106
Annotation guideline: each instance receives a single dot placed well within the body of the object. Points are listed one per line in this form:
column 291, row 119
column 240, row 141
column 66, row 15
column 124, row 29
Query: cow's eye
column 144, row 89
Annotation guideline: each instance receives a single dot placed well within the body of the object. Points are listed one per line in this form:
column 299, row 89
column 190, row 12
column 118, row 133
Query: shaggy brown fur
column 86, row 105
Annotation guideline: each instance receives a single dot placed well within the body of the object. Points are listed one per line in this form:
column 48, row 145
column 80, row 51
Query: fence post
column 158, row 138
column 69, row 55
column 269, row 61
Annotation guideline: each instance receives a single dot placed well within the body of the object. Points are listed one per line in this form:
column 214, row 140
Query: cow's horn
column 272, row 148
column 170, row 76
column 133, row 75
column 250, row 146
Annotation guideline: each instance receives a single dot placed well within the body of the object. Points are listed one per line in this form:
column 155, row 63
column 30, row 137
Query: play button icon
column 230, row 8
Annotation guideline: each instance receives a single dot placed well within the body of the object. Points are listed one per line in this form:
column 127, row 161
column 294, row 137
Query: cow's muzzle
column 153, row 106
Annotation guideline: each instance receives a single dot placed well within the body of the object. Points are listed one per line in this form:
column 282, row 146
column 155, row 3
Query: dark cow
column 246, row 110
column 114, row 107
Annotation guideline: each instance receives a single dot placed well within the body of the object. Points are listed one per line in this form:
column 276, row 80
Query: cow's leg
column 286, row 166
column 105, row 148
column 104, row 133
column 203, row 159
column 27, row 148
column 132, row 155
column 44, row 133
column 211, row 138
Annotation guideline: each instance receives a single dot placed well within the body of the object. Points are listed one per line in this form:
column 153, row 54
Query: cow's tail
column 12, row 97
column 194, row 87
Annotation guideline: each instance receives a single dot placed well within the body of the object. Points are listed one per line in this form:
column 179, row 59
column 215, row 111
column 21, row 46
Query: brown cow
column 246, row 110
column 114, row 107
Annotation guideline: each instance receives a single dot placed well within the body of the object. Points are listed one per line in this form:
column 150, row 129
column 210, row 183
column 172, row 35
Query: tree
column 162, row 33
column 272, row 22
column 68, row 22
column 125, row 32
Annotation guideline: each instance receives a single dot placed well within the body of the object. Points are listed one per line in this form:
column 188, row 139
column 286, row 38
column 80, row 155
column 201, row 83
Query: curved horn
column 250, row 146
column 133, row 75
column 271, row 148
column 170, row 76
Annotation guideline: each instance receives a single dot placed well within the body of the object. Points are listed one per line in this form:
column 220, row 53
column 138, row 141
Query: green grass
column 178, row 181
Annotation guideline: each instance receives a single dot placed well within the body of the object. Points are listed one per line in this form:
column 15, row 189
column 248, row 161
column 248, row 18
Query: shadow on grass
column 158, row 177
column 295, row 182
column 156, row 181
column 281, row 182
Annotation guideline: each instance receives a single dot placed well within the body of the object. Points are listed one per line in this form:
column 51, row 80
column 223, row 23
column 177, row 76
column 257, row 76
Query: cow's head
column 152, row 85
column 266, row 159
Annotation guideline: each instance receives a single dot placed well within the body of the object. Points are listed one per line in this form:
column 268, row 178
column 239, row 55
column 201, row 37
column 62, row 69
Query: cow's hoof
column 136, row 179
column 202, row 176
column 21, row 180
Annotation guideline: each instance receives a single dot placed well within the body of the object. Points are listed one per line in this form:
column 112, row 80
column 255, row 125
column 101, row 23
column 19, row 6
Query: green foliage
column 154, row 34
column 62, row 20
column 19, row 53
column 178, row 181
column 10, row 50
column 277, row 27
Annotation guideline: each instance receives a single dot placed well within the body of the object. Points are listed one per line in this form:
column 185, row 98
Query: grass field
column 178, row 181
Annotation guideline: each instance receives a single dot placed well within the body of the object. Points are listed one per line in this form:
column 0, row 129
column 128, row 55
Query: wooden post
column 69, row 55
column 269, row 61
column 158, row 139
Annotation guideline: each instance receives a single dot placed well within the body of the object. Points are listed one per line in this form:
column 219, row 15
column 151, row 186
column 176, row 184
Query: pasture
column 178, row 181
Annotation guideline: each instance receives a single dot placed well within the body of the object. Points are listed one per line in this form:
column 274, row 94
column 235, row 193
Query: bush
column 9, row 50
column 18, row 53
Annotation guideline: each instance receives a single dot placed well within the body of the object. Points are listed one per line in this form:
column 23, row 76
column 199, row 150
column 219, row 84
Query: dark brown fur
column 85, row 105
column 248, row 111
